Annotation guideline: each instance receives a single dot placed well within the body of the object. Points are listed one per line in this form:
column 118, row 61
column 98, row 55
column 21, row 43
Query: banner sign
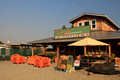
column 72, row 32
column 69, row 63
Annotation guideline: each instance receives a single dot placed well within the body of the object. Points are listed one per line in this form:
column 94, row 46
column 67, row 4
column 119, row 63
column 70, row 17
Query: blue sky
column 22, row 21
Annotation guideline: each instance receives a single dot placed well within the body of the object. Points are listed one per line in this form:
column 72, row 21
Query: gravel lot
column 9, row 71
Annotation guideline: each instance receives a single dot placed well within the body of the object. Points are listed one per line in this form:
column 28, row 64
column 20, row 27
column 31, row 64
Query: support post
column 85, row 50
column 19, row 47
column 32, row 50
column 109, row 52
column 57, row 52
column 43, row 49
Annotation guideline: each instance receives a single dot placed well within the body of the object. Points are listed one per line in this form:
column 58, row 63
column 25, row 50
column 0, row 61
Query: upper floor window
column 93, row 24
column 80, row 24
column 86, row 23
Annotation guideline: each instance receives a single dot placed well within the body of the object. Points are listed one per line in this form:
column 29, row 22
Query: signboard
column 72, row 32
column 77, row 63
column 69, row 63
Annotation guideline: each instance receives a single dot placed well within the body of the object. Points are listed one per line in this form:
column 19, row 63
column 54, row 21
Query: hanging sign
column 72, row 32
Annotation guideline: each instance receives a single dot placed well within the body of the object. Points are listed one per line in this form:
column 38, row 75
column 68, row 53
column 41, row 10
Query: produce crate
column 117, row 62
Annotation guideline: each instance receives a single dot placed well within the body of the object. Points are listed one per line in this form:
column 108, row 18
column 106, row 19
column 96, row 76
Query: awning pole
column 84, row 50
column 109, row 51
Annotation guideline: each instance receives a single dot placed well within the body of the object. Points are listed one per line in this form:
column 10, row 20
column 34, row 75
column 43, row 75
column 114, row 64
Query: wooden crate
column 117, row 62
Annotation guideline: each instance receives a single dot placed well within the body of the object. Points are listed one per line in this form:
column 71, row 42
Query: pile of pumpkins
column 62, row 62
column 18, row 59
column 39, row 61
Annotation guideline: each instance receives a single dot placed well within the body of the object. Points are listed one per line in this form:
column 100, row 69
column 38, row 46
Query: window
column 3, row 51
column 93, row 24
column 86, row 23
column 80, row 24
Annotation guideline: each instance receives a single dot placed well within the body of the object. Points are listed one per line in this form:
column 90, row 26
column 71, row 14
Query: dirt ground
column 9, row 71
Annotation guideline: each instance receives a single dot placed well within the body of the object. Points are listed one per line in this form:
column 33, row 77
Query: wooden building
column 100, row 27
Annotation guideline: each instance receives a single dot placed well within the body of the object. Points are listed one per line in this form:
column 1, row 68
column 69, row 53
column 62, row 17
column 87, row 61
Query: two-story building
column 96, row 26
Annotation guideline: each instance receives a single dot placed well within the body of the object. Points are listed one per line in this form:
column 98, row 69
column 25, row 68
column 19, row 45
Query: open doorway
column 79, row 50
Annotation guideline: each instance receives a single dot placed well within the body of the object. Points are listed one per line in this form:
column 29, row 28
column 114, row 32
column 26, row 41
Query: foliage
column 2, row 58
column 64, row 27
column 112, row 56
column 50, row 55
column 7, row 58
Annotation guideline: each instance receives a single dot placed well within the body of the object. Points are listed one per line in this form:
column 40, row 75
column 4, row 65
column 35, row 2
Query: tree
column 64, row 27
column 1, row 42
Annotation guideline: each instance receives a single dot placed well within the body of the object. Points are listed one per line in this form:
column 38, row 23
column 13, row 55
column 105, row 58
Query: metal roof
column 91, row 14
column 99, row 35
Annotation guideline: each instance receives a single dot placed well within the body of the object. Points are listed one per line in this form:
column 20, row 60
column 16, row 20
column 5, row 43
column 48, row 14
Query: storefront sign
column 69, row 63
column 72, row 32
column 77, row 63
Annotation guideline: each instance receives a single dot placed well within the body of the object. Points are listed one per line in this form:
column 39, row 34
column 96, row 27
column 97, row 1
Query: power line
column 78, row 3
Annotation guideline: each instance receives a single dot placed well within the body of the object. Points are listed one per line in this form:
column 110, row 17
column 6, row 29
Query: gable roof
column 91, row 14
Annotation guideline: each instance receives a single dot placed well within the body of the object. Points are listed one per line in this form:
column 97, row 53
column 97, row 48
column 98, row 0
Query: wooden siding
column 108, row 26
column 100, row 23
column 88, row 18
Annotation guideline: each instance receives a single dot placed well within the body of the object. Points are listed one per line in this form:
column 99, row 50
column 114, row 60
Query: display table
column 86, row 62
